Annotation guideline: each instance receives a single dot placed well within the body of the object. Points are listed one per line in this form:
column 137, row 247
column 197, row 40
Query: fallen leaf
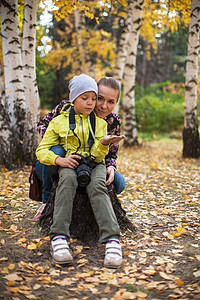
column 165, row 276
column 13, row 276
column 197, row 273
column 13, row 228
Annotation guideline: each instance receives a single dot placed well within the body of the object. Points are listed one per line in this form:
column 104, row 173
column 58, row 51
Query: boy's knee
column 68, row 177
column 97, row 186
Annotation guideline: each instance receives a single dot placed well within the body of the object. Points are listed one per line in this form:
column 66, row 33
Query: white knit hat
column 81, row 84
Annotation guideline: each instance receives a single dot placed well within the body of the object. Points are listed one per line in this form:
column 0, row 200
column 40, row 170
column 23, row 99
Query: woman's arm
column 44, row 122
column 114, row 128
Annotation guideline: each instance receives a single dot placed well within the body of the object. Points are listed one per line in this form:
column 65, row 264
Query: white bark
column 14, row 106
column 191, row 143
column 123, row 47
column 130, row 128
column 123, row 44
column 19, row 114
column 192, row 67
column 79, row 26
column 4, row 129
column 14, row 87
column 29, row 72
column 84, row 64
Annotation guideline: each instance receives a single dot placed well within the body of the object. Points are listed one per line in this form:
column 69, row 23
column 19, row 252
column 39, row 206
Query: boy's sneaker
column 113, row 254
column 60, row 251
column 39, row 211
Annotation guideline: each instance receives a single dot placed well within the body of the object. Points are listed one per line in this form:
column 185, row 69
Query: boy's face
column 85, row 103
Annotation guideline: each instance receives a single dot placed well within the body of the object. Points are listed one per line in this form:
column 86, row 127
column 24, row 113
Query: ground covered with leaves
column 161, row 260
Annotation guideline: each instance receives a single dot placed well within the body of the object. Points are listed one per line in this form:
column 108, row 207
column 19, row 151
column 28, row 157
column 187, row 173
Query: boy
column 74, row 130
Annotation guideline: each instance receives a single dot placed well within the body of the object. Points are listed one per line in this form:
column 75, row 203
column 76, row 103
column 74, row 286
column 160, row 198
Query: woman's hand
column 68, row 162
column 106, row 140
column 111, row 174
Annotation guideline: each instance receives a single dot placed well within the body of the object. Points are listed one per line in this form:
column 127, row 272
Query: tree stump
column 84, row 226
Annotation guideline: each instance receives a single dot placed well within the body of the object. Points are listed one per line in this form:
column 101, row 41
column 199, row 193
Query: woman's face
column 106, row 101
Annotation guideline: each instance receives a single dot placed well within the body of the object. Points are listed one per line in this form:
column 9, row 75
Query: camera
column 83, row 171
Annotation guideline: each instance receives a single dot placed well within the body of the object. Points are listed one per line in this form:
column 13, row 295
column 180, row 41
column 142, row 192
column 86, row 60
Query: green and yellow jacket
column 59, row 133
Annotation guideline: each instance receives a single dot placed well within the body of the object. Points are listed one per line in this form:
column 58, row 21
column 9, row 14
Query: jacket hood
column 66, row 108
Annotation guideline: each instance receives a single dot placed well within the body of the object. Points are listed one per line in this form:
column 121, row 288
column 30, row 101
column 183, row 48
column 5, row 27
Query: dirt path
column 161, row 261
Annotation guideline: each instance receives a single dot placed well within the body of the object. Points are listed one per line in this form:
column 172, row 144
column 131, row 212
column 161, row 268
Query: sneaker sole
column 112, row 266
column 62, row 262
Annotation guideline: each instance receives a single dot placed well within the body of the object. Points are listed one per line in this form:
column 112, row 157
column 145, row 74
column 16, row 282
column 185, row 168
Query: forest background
column 151, row 47
column 160, row 64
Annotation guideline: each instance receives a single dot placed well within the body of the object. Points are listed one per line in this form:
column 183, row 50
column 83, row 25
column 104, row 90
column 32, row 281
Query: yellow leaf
column 82, row 261
column 141, row 295
column 45, row 279
column 11, row 266
column 180, row 230
column 83, row 275
column 24, row 287
column 197, row 257
column 39, row 244
column 5, row 271
column 5, row 217
column 11, row 283
column 32, row 246
column 2, row 224
column 14, row 289
column 31, row 296
column 46, row 238
column 179, row 282
column 22, row 240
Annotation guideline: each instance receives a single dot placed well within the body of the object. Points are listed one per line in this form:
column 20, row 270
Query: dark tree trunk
column 191, row 143
column 84, row 226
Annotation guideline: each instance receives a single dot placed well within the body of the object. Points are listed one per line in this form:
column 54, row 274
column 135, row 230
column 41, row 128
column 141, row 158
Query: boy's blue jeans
column 48, row 174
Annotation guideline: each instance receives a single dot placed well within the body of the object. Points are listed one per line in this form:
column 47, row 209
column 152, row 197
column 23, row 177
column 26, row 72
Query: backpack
column 35, row 190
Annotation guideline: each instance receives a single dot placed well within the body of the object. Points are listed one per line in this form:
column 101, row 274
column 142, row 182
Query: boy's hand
column 106, row 140
column 68, row 162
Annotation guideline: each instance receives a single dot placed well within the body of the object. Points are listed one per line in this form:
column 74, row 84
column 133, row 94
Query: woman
column 108, row 96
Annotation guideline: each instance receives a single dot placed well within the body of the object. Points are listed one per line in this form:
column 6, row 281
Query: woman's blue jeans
column 119, row 183
column 48, row 174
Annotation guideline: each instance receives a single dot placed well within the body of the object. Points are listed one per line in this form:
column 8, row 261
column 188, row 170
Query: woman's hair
column 110, row 82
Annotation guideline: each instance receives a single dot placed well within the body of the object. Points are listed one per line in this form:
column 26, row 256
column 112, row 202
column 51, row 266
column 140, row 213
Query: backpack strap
column 72, row 126
column 92, row 125
column 92, row 134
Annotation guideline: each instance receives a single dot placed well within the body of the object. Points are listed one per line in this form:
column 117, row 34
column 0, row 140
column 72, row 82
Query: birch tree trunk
column 14, row 107
column 123, row 44
column 122, row 48
column 191, row 143
column 4, row 119
column 84, row 60
column 130, row 128
column 30, row 141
